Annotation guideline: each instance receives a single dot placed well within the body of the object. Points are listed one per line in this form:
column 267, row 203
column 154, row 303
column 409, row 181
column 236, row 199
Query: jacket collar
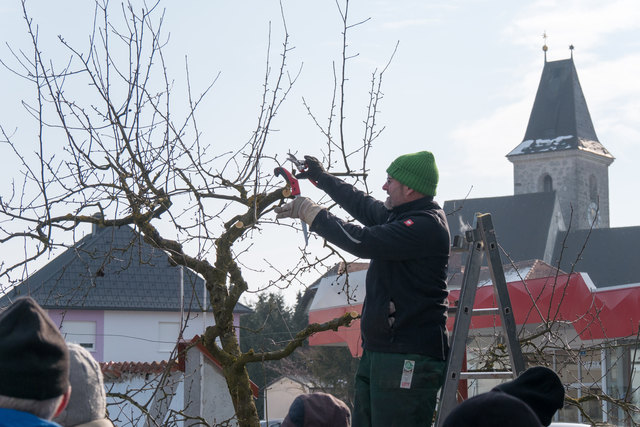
column 425, row 202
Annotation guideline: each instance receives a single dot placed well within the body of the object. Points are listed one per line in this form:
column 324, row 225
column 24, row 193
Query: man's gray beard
column 387, row 203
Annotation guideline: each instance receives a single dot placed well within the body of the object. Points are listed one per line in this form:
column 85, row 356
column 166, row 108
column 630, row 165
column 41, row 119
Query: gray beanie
column 88, row 398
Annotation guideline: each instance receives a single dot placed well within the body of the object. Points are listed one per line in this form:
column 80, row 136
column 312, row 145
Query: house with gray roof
column 120, row 297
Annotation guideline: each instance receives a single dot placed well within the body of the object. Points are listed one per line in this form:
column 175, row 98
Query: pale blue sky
column 462, row 82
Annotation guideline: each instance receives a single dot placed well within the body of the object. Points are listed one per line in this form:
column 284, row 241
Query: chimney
column 94, row 226
column 455, row 263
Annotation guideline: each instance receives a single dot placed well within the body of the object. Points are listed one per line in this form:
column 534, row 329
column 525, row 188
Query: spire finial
column 571, row 49
column 544, row 46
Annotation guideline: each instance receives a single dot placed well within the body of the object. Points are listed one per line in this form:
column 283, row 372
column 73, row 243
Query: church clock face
column 593, row 216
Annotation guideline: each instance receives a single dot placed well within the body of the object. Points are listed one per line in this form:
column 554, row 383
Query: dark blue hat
column 540, row 388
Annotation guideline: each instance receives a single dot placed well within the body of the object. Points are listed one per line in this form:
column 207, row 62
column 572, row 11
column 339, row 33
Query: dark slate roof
column 560, row 119
column 521, row 222
column 611, row 256
column 112, row 269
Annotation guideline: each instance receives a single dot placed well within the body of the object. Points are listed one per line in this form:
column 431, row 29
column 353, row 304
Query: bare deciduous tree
column 111, row 151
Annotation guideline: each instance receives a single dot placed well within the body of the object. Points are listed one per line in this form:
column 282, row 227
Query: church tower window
column 547, row 184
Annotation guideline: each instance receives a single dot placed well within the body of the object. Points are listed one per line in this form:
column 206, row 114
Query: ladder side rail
column 458, row 341
column 485, row 225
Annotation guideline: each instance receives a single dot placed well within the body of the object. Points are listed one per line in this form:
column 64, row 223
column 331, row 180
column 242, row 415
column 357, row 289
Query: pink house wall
column 84, row 316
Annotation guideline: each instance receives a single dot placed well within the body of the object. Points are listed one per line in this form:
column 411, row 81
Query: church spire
column 559, row 119
column 561, row 153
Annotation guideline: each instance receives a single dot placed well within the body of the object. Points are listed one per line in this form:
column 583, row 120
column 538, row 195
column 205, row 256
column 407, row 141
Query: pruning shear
column 300, row 165
column 295, row 192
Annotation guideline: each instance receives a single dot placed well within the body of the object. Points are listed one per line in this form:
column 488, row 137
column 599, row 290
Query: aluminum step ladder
column 479, row 241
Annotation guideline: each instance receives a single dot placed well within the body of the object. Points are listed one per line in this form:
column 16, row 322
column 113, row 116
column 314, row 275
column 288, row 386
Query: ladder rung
column 485, row 311
column 486, row 375
column 477, row 311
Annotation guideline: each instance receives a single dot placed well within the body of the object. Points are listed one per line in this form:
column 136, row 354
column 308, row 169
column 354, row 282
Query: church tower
column 560, row 151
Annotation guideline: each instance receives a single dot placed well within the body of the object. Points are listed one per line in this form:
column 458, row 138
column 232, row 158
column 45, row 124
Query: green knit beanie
column 417, row 171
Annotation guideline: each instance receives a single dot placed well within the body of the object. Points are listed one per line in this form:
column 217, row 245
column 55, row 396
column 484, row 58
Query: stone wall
column 579, row 178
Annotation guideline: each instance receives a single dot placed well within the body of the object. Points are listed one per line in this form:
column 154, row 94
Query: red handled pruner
column 295, row 192
column 291, row 180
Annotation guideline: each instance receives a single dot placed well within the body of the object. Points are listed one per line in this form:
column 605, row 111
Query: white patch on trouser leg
column 407, row 373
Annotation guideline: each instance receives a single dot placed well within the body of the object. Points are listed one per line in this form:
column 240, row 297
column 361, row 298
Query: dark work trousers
column 395, row 389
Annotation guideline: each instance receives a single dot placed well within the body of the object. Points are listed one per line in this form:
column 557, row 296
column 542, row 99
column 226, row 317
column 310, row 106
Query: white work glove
column 300, row 207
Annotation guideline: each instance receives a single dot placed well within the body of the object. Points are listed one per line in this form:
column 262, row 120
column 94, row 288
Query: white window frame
column 82, row 332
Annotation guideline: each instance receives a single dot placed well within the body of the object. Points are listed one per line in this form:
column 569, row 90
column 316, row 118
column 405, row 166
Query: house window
column 80, row 332
column 547, row 184
column 167, row 335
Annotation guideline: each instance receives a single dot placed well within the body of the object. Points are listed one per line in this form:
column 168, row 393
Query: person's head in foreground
column 537, row 391
column 492, row 409
column 34, row 365
column 540, row 388
column 317, row 410
column 88, row 403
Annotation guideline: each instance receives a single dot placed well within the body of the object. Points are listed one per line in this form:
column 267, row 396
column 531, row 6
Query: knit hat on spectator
column 417, row 171
column 34, row 360
column 492, row 409
column 317, row 410
column 88, row 400
column 540, row 388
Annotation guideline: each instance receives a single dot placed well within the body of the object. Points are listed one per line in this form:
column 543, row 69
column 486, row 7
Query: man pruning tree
column 403, row 331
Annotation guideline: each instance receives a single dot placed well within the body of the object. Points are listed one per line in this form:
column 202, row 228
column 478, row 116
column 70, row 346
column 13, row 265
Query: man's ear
column 411, row 194
column 63, row 403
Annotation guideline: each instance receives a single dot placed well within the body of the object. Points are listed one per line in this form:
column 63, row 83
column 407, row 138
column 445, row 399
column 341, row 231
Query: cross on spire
column 544, row 46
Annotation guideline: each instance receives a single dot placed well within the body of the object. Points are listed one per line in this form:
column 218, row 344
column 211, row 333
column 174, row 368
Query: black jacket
column 409, row 250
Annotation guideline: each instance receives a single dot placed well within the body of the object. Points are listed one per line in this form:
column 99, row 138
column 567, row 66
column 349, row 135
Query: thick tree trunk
column 242, row 396
column 235, row 372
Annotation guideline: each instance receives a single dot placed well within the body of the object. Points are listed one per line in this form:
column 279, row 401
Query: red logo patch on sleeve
column 408, row 223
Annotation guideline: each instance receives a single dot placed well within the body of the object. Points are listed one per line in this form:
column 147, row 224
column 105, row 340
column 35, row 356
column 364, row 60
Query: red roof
column 594, row 313
column 113, row 370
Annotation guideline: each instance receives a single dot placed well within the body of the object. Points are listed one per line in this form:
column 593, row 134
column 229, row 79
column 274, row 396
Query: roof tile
column 138, row 277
